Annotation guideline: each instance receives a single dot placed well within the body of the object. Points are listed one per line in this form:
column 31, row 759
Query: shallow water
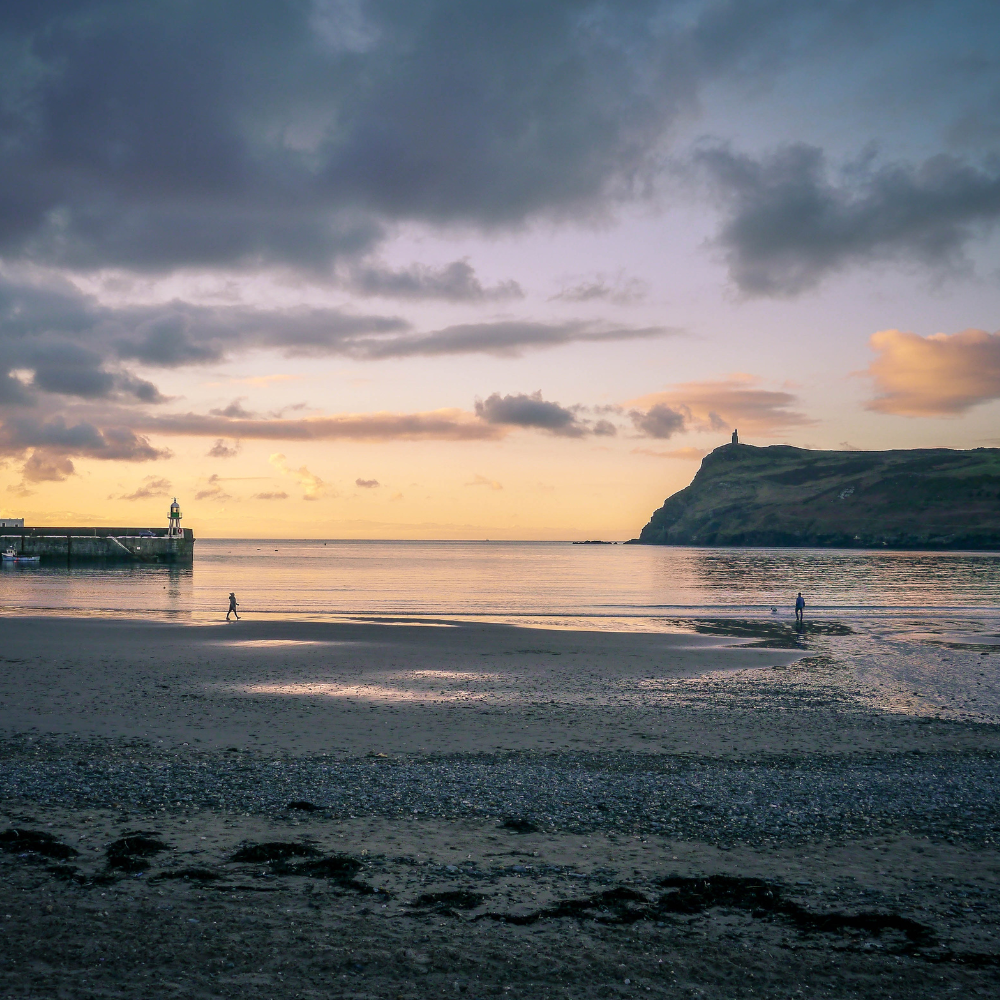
column 919, row 631
column 634, row 585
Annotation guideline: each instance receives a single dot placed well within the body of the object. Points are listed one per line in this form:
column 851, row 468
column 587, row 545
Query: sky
column 475, row 269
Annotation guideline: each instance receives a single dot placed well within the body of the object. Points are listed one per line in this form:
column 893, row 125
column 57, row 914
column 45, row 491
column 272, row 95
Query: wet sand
column 487, row 811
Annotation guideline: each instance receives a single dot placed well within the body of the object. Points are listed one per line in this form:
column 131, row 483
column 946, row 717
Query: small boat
column 10, row 556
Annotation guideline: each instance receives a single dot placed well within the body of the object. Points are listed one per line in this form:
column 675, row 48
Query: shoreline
column 523, row 813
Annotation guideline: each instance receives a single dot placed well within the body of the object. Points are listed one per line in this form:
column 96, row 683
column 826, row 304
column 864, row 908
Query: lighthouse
column 174, row 529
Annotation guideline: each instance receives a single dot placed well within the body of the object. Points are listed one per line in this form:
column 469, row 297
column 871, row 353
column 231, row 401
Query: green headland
column 933, row 498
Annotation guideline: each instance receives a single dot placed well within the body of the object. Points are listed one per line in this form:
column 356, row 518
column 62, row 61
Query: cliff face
column 923, row 499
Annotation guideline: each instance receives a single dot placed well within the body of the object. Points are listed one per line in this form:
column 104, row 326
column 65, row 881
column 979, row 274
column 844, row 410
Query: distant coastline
column 930, row 498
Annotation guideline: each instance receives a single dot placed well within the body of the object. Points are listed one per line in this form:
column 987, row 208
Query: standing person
column 233, row 606
column 800, row 607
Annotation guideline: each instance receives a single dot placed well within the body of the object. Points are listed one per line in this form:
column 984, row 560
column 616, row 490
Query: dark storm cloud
column 13, row 392
column 454, row 282
column 792, row 221
column 243, row 132
column 41, row 329
column 523, row 410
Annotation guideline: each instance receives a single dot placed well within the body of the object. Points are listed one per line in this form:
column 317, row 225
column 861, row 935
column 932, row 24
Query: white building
column 11, row 522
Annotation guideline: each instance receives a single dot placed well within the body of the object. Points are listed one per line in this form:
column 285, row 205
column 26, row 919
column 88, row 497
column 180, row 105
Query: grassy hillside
column 926, row 498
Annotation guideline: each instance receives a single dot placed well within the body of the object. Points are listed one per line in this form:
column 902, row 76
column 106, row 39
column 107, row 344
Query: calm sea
column 552, row 583
column 922, row 636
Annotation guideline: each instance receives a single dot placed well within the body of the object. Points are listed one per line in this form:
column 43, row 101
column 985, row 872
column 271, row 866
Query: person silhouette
column 232, row 607
column 800, row 607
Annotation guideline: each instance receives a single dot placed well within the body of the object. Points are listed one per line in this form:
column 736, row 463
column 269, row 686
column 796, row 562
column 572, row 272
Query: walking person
column 800, row 607
column 233, row 606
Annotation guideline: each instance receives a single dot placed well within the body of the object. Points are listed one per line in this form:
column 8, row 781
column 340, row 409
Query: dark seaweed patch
column 66, row 873
column 519, row 825
column 762, row 899
column 338, row 866
column 446, row 902
column 273, row 851
column 693, row 895
column 689, row 896
column 129, row 853
column 36, row 841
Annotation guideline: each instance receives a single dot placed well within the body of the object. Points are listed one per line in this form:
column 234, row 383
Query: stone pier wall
column 120, row 545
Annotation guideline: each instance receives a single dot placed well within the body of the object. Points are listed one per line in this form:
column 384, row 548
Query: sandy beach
column 374, row 809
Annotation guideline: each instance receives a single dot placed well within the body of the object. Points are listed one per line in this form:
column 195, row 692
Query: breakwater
column 121, row 545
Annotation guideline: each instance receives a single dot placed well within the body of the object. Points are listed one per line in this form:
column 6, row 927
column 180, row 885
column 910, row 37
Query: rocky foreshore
column 782, row 798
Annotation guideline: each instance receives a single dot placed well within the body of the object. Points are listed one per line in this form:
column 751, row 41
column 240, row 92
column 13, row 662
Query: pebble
column 717, row 801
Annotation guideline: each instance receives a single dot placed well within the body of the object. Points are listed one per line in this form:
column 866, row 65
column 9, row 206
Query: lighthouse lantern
column 174, row 529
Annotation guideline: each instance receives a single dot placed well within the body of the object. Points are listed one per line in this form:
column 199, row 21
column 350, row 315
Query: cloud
column 791, row 223
column 618, row 289
column 454, row 282
column 659, row 421
column 685, row 454
column 941, row 375
column 507, row 338
column 178, row 334
column 367, row 484
column 42, row 466
column 313, row 488
column 257, row 133
column 269, row 496
column 151, row 487
column 478, row 480
column 222, row 450
column 213, row 491
column 262, row 381
column 234, row 410
column 19, row 432
column 65, row 342
column 717, row 407
column 491, row 421
column 523, row 410
column 435, row 425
